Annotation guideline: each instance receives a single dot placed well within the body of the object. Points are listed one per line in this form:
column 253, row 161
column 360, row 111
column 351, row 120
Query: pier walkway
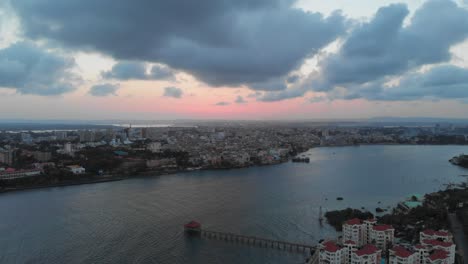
column 257, row 241
column 194, row 228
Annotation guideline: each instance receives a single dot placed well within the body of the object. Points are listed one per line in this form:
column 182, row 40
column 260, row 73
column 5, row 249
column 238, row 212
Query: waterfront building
column 10, row 174
column 76, row 169
column 368, row 254
column 430, row 234
column 422, row 252
column 439, row 257
column 330, row 253
column 368, row 224
column 401, row 255
column 382, row 236
column 348, row 248
column 353, row 230
column 438, row 245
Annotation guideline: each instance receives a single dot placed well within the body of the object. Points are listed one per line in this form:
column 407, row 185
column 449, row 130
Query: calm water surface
column 140, row 220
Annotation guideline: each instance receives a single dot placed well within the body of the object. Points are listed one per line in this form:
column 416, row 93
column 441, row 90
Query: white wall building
column 76, row 169
column 330, row 253
column 382, row 236
column 369, row 254
column 401, row 255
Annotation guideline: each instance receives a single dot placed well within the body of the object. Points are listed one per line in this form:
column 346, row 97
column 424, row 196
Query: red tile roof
column 350, row 242
column 330, row 246
column 435, row 242
column 354, row 221
column 442, row 233
column 401, row 252
column 419, row 246
column 438, row 255
column 367, row 250
column 382, row 227
column 429, row 232
column 192, row 224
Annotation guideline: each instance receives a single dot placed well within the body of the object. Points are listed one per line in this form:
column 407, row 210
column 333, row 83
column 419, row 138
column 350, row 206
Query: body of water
column 141, row 220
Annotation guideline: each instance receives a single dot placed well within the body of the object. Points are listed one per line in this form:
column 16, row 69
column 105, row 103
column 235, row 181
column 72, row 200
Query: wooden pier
column 257, row 241
column 195, row 229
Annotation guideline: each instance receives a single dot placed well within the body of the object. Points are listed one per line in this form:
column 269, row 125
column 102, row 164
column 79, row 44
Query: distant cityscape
column 54, row 156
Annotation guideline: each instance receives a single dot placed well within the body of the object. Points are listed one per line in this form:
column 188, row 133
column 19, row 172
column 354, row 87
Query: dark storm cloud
column 441, row 82
column 132, row 70
column 221, row 42
column 104, row 89
column 173, row 92
column 32, row 70
column 289, row 93
column 385, row 47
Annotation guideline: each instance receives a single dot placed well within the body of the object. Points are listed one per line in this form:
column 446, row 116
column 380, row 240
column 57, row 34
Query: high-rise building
column 7, row 156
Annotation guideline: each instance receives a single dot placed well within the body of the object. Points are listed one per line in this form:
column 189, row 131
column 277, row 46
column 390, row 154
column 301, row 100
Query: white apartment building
column 401, row 255
column 430, row 234
column 369, row 254
column 382, row 236
column 439, row 257
column 330, row 253
column 353, row 230
column 437, row 245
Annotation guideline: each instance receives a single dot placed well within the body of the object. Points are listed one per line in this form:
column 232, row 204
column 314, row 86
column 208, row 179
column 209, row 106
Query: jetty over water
column 194, row 228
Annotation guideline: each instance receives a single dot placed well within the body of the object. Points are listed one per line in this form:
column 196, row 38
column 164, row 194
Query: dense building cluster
column 366, row 242
column 112, row 149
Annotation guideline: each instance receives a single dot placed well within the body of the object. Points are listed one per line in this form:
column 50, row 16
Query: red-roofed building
column 382, row 236
column 368, row 254
column 330, row 253
column 439, row 245
column 439, row 257
column 401, row 255
column 349, row 247
column 443, row 235
column 354, row 230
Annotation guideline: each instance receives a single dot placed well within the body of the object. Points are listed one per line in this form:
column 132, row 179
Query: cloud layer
column 102, row 90
column 173, row 92
column 131, row 70
column 32, row 70
column 384, row 47
column 230, row 42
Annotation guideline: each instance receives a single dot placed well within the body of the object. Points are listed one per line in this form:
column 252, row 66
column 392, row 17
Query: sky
column 233, row 59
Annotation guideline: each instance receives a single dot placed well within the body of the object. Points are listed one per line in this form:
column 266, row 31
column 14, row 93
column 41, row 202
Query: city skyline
column 233, row 60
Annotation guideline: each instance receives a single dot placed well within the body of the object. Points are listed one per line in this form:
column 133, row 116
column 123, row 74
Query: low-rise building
column 76, row 169
column 10, row 174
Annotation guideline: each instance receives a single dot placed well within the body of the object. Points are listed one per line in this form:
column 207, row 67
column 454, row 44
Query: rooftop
column 401, row 252
column 354, row 221
column 382, row 227
column 438, row 255
column 331, row 246
column 367, row 250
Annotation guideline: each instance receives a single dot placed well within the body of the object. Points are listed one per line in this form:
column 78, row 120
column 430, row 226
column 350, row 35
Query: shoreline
column 167, row 172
